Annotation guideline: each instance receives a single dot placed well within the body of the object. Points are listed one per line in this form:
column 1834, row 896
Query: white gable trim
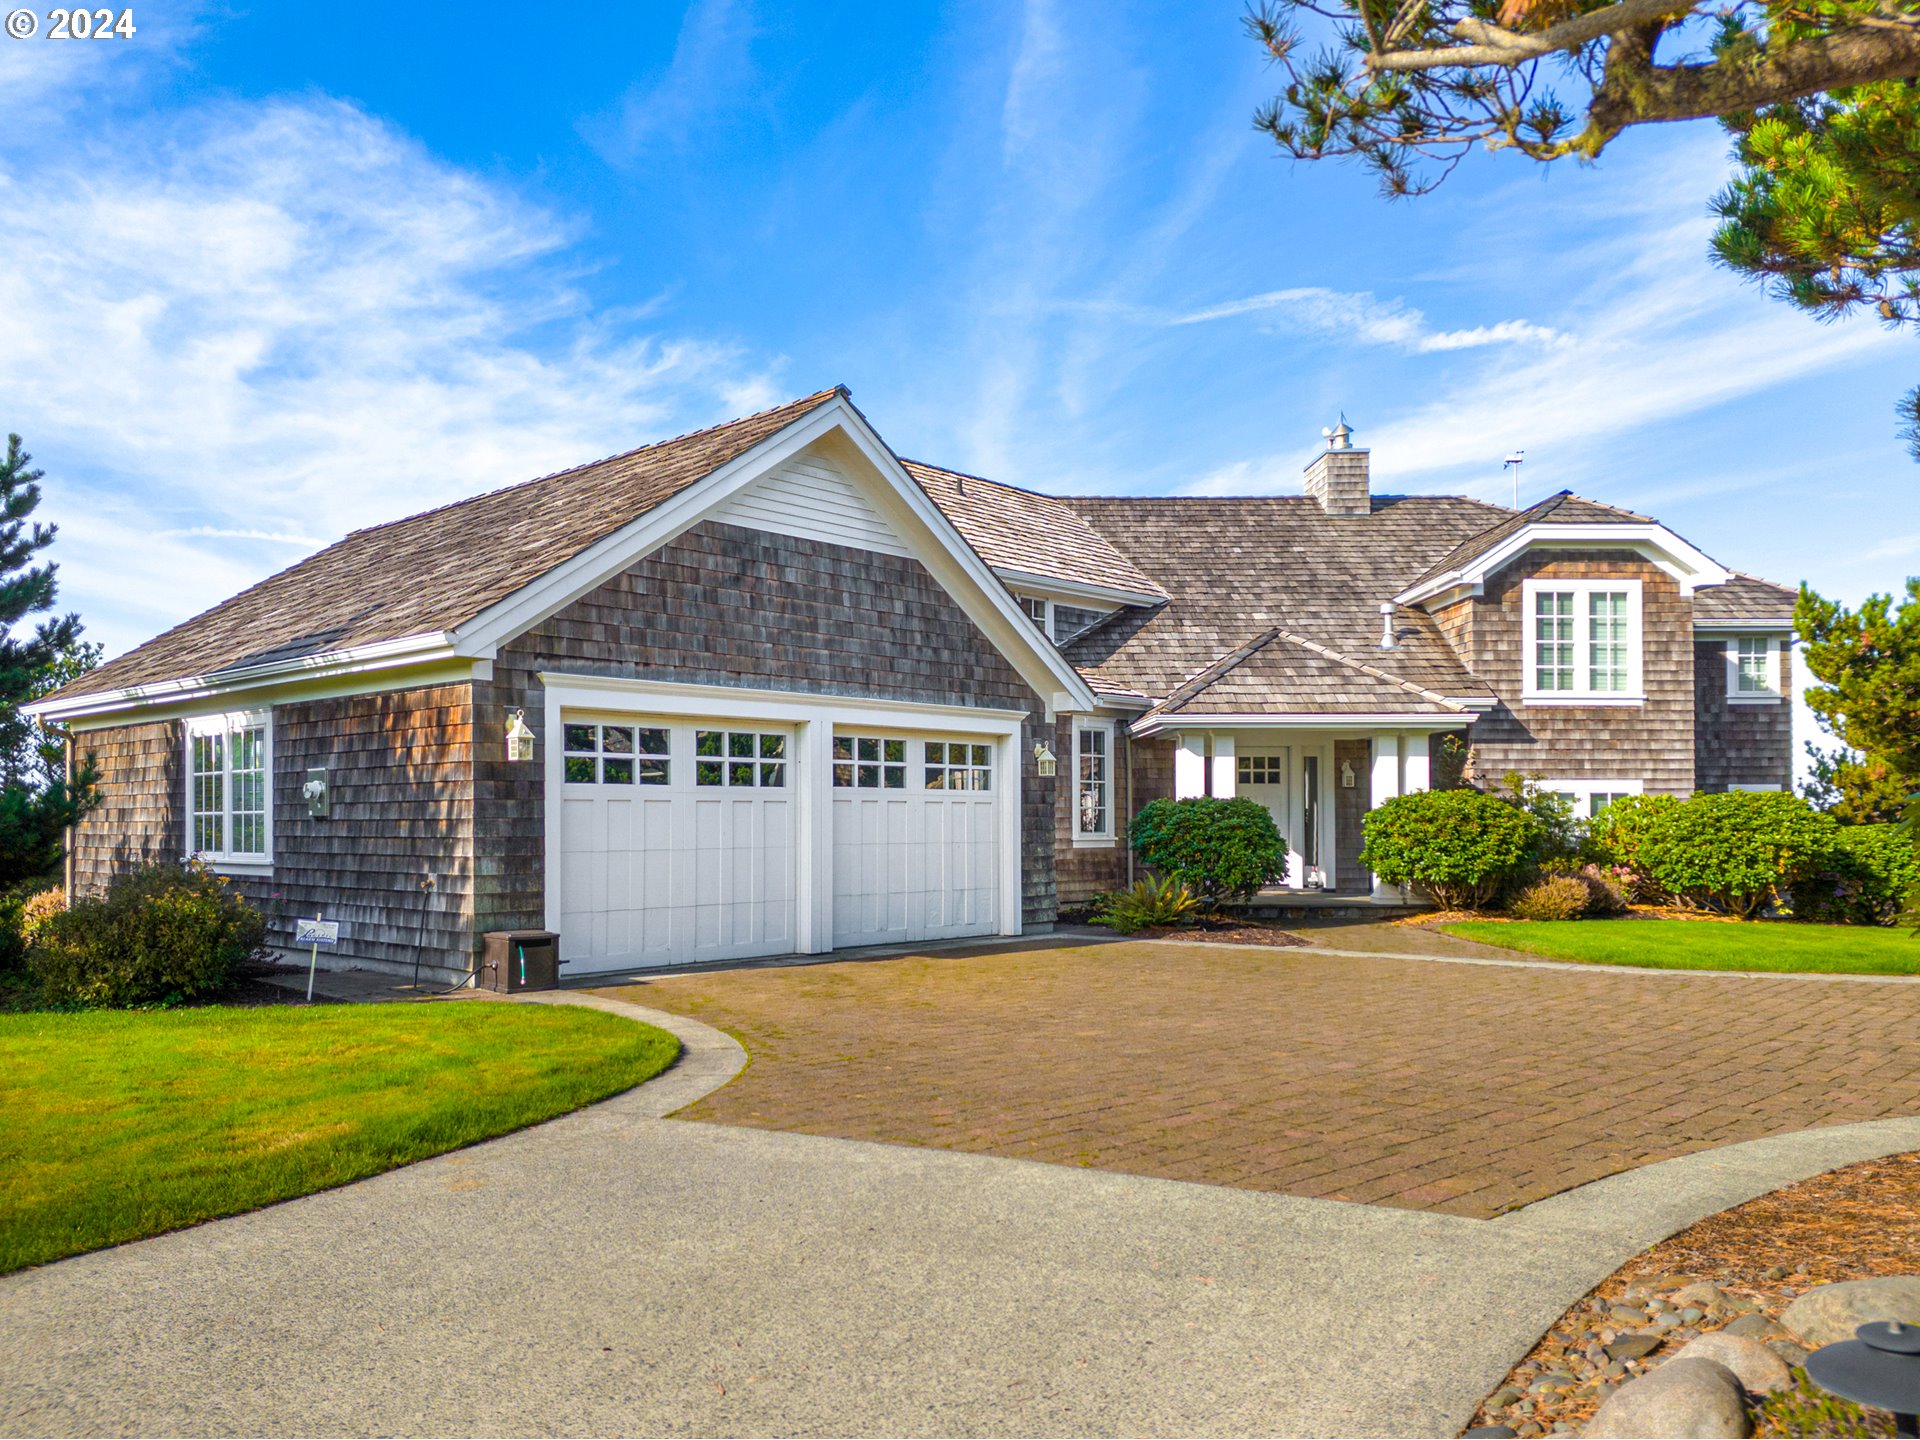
column 903, row 505
column 1690, row 566
column 814, row 499
column 1075, row 592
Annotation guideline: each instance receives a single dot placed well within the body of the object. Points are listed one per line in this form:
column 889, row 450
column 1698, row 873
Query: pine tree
column 1867, row 663
column 38, row 800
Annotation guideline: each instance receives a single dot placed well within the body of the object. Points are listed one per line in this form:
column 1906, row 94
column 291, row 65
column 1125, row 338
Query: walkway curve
column 709, row 1058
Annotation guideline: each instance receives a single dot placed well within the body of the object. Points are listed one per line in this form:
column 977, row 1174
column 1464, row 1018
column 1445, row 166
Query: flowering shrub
column 1556, row 897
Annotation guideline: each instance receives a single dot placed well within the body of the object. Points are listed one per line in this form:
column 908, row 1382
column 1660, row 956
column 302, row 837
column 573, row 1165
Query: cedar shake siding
column 1349, row 809
column 1652, row 742
column 391, row 862
column 1739, row 744
column 139, row 818
column 722, row 605
column 1142, row 772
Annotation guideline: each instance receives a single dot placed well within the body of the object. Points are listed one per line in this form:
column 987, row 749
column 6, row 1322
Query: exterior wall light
column 519, row 737
column 1043, row 761
column 315, row 792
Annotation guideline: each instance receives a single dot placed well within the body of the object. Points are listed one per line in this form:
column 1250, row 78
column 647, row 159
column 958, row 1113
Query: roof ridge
column 1191, row 687
column 816, row 398
column 983, row 479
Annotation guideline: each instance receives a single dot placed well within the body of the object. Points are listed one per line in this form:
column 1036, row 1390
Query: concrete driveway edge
column 709, row 1058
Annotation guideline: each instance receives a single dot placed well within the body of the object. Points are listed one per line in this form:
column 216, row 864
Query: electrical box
column 515, row 960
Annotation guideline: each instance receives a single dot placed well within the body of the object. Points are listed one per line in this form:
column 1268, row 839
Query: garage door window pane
column 772, row 776
column 843, row 777
column 654, row 767
column 708, row 772
column 740, row 746
column 580, row 769
column 869, row 748
column 740, row 772
column 580, row 737
column 616, row 739
column 773, row 747
column 958, row 765
column 617, row 770
column 708, row 742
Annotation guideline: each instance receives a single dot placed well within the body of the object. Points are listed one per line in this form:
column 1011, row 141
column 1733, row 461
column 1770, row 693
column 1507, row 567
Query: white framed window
column 1093, row 782
column 1582, row 642
column 1753, row 670
column 1040, row 611
column 1590, row 797
column 958, row 765
column 230, row 788
column 1757, row 789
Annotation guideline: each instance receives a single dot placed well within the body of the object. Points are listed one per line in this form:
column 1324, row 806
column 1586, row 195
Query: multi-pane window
column 959, row 765
column 869, row 762
column 1607, row 641
column 1753, row 667
column 1260, row 770
column 1583, row 639
column 1600, row 799
column 1553, row 640
column 616, row 754
column 228, row 787
column 740, row 758
column 1093, row 780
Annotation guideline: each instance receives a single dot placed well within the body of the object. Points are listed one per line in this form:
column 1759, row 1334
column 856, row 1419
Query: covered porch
column 1317, row 779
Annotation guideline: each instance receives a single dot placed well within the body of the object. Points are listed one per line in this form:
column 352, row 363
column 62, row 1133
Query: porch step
column 1302, row 905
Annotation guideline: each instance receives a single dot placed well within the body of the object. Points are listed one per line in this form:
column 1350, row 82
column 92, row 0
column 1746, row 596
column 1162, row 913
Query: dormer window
column 1039, row 611
column 1582, row 642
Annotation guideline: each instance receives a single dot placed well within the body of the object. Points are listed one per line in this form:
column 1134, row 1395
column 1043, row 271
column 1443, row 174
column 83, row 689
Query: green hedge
column 1734, row 853
column 161, row 933
column 1864, row 880
column 1220, row 849
column 1464, row 847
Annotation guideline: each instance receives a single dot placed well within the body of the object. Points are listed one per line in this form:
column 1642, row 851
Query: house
column 768, row 688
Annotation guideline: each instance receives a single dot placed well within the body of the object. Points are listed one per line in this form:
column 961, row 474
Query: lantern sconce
column 315, row 792
column 1346, row 775
column 519, row 737
column 1043, row 761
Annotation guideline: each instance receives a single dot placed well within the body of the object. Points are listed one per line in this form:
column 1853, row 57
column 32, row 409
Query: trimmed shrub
column 1618, row 836
column 1557, row 897
column 1149, row 905
column 161, row 933
column 1605, row 898
column 1464, row 847
column 1864, row 880
column 1731, row 853
column 1220, row 849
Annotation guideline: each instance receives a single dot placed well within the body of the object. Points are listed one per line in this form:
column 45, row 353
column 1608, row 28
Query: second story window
column 1039, row 611
column 1753, row 669
column 1582, row 640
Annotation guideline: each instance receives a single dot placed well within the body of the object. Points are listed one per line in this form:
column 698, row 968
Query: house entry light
column 519, row 737
column 1043, row 761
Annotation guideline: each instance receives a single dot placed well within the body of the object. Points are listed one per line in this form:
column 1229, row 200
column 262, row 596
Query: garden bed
column 1852, row 1224
column 1223, row 932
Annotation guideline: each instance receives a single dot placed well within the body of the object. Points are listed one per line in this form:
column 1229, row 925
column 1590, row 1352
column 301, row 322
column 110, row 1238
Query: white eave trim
column 1717, row 626
column 1690, row 566
column 359, row 659
column 1053, row 587
column 1303, row 720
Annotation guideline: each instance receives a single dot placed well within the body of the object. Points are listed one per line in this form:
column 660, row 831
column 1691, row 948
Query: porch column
column 1414, row 771
column 1190, row 767
column 1386, row 785
column 1223, row 768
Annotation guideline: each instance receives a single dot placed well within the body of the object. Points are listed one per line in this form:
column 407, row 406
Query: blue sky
column 274, row 272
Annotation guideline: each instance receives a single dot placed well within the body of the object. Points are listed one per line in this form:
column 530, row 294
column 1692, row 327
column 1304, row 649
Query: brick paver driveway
column 1464, row 1088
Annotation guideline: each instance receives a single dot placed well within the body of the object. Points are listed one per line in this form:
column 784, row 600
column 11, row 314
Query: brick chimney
column 1337, row 478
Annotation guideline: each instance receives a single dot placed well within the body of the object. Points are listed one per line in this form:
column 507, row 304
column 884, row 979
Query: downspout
column 1125, row 731
column 66, row 863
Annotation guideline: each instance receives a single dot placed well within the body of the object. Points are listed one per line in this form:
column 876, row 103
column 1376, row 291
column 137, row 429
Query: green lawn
column 119, row 1124
column 1701, row 945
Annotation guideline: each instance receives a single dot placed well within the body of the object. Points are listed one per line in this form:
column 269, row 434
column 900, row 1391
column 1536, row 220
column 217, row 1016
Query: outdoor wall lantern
column 1880, row 1367
column 1346, row 774
column 315, row 793
column 1043, row 760
column 519, row 737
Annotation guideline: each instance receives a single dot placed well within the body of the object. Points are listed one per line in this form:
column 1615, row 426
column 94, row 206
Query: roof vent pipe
column 1386, row 625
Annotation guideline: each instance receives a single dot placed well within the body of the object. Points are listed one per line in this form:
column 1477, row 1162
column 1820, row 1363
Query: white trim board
column 1653, row 542
column 1305, row 720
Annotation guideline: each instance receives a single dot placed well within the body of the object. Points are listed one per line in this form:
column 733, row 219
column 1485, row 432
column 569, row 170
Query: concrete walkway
column 609, row 1272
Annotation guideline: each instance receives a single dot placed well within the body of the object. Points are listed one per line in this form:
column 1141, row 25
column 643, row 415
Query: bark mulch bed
column 1223, row 932
column 1852, row 1224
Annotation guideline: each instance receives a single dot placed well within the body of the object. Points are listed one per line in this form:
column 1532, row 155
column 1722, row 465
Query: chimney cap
column 1340, row 437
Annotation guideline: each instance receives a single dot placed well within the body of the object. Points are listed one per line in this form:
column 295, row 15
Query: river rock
column 1753, row 1364
column 1633, row 1347
column 1830, row 1313
column 1703, row 1293
column 1691, row 1399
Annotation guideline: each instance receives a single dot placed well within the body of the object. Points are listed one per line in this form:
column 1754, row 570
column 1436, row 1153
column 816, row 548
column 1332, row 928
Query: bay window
column 230, row 788
column 1582, row 641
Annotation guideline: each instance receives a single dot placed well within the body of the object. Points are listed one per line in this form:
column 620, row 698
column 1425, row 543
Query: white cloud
column 1368, row 320
column 279, row 322
column 710, row 76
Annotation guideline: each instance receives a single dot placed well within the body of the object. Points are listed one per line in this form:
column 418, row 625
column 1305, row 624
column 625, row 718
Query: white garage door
column 677, row 842
column 916, row 839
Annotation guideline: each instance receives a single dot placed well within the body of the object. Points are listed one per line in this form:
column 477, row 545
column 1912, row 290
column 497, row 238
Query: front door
column 1266, row 776
column 1292, row 781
